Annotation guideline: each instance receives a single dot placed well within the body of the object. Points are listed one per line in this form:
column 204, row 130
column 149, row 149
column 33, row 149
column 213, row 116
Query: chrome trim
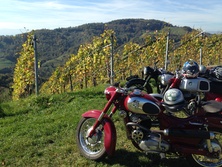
column 101, row 116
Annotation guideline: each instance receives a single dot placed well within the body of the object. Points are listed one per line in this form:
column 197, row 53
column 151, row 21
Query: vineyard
column 91, row 65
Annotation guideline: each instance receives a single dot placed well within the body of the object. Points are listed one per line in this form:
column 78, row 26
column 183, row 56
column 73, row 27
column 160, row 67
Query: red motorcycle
column 152, row 127
column 193, row 89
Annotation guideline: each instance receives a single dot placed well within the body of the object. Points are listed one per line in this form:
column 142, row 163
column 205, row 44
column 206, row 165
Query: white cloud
column 52, row 14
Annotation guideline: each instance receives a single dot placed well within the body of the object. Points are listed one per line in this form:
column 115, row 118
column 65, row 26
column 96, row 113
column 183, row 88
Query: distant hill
column 55, row 46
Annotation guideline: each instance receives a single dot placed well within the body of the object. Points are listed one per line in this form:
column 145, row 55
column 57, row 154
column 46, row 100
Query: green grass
column 40, row 131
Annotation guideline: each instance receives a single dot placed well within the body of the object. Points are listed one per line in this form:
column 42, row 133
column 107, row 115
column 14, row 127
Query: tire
column 138, row 83
column 204, row 161
column 91, row 148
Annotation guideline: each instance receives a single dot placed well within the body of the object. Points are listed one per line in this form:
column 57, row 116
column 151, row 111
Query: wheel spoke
column 90, row 147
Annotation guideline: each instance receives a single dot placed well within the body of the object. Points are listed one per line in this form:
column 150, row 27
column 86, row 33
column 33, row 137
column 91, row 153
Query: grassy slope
column 40, row 131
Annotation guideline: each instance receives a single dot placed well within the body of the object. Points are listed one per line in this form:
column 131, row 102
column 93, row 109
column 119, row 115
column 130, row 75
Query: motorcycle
column 152, row 128
column 150, row 73
column 193, row 89
column 164, row 81
column 167, row 80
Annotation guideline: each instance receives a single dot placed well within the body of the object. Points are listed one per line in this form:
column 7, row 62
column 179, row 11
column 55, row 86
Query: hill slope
column 42, row 132
column 55, row 46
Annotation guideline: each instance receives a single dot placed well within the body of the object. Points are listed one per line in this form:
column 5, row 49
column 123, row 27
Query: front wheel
column 205, row 161
column 92, row 147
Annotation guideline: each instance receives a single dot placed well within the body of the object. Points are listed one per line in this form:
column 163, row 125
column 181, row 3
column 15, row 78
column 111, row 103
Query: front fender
column 109, row 130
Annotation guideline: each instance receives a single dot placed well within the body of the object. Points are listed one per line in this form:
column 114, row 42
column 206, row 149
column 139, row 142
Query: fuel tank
column 195, row 84
column 141, row 103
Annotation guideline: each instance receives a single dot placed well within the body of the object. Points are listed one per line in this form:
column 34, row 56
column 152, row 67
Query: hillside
column 55, row 46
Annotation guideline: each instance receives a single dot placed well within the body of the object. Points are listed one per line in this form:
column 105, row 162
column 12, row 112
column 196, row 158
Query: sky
column 20, row 16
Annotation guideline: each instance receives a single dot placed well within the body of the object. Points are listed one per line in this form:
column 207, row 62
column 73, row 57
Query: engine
column 146, row 140
column 150, row 142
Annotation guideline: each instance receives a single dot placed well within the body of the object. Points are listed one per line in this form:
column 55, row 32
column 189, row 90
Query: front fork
column 99, row 120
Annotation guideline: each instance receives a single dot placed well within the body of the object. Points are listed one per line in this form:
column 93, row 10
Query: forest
column 75, row 58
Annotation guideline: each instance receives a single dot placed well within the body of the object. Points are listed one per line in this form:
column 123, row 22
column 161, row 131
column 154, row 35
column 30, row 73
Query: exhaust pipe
column 201, row 134
column 189, row 133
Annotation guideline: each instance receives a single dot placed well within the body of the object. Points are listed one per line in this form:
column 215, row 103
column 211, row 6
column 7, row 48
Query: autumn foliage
column 24, row 78
column 91, row 65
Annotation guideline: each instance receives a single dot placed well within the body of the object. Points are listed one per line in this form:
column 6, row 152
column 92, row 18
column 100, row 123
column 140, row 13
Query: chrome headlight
column 165, row 79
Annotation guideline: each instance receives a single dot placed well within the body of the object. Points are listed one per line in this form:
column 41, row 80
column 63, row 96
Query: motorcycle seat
column 212, row 106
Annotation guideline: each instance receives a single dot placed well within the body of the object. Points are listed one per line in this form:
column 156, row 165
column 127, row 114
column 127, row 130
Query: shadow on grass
column 132, row 159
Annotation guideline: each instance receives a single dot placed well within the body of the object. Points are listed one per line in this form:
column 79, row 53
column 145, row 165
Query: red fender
column 109, row 130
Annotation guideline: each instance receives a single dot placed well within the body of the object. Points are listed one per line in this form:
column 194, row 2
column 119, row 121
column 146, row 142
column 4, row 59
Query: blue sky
column 19, row 16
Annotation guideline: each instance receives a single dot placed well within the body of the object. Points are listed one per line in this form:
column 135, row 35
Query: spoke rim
column 92, row 145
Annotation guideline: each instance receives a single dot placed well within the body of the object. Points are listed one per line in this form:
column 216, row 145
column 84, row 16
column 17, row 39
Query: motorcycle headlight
column 165, row 78
column 109, row 92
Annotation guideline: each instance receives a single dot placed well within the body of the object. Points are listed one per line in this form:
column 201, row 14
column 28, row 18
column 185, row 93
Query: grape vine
column 91, row 65
column 23, row 78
